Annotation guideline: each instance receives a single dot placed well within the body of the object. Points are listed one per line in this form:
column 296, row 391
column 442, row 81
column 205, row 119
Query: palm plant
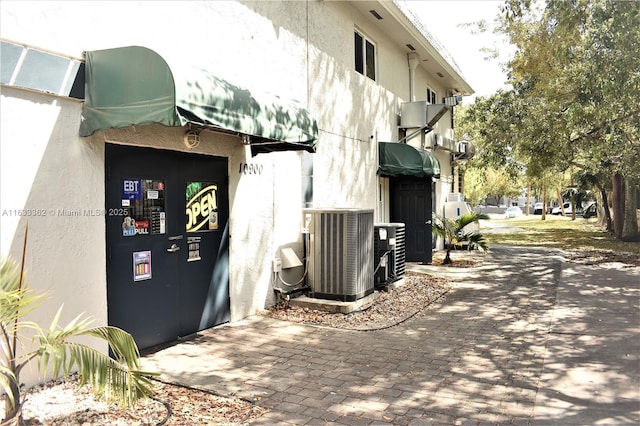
column 456, row 233
column 118, row 378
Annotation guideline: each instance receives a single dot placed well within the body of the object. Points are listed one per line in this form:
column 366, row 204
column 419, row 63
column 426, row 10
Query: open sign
column 202, row 210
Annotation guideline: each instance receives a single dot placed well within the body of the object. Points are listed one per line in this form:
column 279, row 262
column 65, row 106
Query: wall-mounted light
column 191, row 139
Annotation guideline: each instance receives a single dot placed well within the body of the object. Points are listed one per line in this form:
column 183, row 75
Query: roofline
column 416, row 29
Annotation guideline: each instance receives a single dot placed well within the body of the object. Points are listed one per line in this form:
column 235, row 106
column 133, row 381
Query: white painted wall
column 299, row 50
column 49, row 178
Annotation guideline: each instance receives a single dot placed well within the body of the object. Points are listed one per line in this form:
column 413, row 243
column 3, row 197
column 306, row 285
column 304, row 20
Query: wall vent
column 375, row 14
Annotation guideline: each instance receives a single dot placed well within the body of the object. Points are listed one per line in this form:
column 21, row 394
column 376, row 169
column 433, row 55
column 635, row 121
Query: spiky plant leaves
column 118, row 379
column 454, row 234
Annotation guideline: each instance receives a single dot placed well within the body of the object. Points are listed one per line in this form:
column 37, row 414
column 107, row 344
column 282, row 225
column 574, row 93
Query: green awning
column 400, row 159
column 135, row 86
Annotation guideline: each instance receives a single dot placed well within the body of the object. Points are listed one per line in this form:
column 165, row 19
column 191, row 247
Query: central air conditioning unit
column 455, row 197
column 388, row 253
column 421, row 114
column 466, row 150
column 340, row 253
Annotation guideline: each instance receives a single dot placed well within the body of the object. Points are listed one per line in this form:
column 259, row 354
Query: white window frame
column 432, row 96
column 64, row 83
column 363, row 50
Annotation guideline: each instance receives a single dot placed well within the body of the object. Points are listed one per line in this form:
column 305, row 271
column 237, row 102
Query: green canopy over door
column 134, row 85
column 400, row 159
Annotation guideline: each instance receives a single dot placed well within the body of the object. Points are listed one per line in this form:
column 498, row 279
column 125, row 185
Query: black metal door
column 411, row 205
column 167, row 242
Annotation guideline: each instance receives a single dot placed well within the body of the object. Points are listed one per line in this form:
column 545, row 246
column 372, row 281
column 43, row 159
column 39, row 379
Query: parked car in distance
column 537, row 208
column 512, row 212
column 558, row 210
column 590, row 211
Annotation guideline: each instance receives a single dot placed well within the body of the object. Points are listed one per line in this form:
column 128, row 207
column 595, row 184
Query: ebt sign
column 202, row 207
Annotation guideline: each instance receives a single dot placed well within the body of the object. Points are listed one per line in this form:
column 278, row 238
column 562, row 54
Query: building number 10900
column 250, row 169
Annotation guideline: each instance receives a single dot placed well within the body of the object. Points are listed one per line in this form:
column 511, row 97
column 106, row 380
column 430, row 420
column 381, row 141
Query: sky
column 443, row 17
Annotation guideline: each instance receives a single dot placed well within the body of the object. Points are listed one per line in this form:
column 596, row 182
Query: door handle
column 428, row 222
column 174, row 248
column 175, row 237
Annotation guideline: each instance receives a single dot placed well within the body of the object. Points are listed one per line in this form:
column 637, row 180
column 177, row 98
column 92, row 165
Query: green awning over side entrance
column 135, row 86
column 400, row 159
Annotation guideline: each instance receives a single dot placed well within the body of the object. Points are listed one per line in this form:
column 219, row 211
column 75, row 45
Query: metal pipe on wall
column 413, row 60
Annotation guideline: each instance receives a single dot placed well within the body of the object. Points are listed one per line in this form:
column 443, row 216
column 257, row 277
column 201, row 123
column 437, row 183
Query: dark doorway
column 167, row 242
column 411, row 205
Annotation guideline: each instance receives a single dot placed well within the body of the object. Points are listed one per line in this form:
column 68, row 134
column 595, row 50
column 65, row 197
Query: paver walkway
column 498, row 350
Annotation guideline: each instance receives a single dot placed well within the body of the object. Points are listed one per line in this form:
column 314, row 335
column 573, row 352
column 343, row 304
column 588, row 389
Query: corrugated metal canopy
column 135, row 86
column 400, row 159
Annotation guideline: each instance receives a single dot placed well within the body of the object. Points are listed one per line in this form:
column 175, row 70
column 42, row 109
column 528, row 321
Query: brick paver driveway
column 481, row 356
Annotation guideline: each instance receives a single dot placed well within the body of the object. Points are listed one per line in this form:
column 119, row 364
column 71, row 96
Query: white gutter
column 413, row 60
column 403, row 15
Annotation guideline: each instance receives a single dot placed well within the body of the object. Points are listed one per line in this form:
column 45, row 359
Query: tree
column 576, row 80
column 117, row 378
column 458, row 232
column 587, row 179
column 630, row 230
column 474, row 189
column 481, row 183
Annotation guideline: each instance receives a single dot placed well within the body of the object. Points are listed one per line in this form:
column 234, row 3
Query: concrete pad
column 337, row 306
column 334, row 306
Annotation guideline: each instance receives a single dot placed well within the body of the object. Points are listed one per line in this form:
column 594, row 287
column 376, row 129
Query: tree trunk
column 617, row 202
column 561, row 201
column 544, row 203
column 604, row 206
column 630, row 222
column 447, row 258
column 13, row 413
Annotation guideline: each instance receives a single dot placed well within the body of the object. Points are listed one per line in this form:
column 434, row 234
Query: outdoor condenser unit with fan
column 340, row 253
column 388, row 253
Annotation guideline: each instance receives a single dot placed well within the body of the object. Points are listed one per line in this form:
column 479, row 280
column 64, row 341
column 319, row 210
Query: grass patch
column 557, row 232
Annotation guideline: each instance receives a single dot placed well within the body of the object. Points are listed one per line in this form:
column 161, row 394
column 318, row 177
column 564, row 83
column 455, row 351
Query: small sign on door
column 194, row 249
column 142, row 265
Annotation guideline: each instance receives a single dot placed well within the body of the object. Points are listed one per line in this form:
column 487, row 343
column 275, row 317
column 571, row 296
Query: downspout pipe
column 412, row 60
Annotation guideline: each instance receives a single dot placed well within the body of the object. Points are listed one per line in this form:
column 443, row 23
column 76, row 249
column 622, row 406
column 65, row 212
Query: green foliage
column 118, row 379
column 481, row 183
column 574, row 104
column 580, row 60
column 458, row 232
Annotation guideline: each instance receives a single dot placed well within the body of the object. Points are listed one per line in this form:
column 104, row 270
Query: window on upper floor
column 365, row 56
column 35, row 69
column 432, row 96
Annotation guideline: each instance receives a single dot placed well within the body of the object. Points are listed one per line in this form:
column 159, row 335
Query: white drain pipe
column 413, row 60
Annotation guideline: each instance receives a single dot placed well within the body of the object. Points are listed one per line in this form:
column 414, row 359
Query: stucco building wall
column 297, row 50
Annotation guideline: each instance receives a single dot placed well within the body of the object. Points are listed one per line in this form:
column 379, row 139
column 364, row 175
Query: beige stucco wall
column 226, row 38
column 53, row 182
column 299, row 50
